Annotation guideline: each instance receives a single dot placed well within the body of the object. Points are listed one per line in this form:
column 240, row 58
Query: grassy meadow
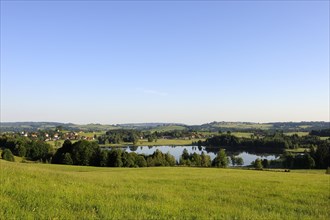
column 299, row 133
column 44, row 191
column 238, row 125
column 168, row 128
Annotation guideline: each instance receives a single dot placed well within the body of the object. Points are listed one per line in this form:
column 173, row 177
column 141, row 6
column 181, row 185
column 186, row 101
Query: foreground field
column 41, row 191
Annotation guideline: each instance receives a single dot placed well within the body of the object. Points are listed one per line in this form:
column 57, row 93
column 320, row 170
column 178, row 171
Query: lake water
column 176, row 151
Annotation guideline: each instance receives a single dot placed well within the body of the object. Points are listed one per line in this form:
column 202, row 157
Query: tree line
column 320, row 133
column 275, row 142
column 87, row 153
column 34, row 150
column 118, row 136
column 316, row 154
column 90, row 154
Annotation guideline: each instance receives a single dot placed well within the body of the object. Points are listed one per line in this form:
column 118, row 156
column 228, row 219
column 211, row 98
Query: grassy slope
column 44, row 191
column 238, row 125
column 299, row 133
column 168, row 128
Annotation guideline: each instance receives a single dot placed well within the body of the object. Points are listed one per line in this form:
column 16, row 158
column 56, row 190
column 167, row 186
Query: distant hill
column 34, row 126
column 213, row 126
column 250, row 126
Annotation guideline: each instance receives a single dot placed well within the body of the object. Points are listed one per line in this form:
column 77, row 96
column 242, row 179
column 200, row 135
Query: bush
column 67, row 159
column 257, row 164
column 141, row 161
column 7, row 155
column 221, row 160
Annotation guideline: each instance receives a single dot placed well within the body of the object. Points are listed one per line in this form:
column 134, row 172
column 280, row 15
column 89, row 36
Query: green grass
column 305, row 126
column 299, row 133
column 43, row 191
column 168, row 128
column 298, row 150
column 237, row 134
column 239, row 125
column 91, row 134
column 242, row 134
column 60, row 141
column 95, row 127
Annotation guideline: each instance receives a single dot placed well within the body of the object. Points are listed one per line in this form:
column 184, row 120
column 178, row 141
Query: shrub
column 7, row 155
column 67, row 159
column 257, row 164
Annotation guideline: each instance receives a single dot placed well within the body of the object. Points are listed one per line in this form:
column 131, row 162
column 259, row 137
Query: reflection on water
column 176, row 151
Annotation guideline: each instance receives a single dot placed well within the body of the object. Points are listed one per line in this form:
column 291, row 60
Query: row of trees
column 30, row 149
column 317, row 157
column 129, row 135
column 195, row 159
column 119, row 136
column 89, row 153
column 321, row 133
column 276, row 142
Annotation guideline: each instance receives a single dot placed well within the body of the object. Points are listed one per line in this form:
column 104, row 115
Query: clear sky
column 165, row 61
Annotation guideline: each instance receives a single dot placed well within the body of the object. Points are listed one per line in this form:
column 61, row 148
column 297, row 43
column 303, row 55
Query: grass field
column 298, row 150
column 44, row 191
column 242, row 134
column 299, row 133
column 238, row 125
column 235, row 133
column 168, row 128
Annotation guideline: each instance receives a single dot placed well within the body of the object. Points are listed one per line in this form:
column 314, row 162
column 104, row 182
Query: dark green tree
column 196, row 160
column 84, row 153
column 239, row 161
column 115, row 158
column 128, row 159
column 39, row 150
column 141, row 161
column 20, row 150
column 170, row 159
column 7, row 155
column 205, row 160
column 67, row 159
column 59, row 154
column 184, row 159
column 265, row 163
column 257, row 164
column 322, row 156
column 221, row 159
column 233, row 160
column 101, row 158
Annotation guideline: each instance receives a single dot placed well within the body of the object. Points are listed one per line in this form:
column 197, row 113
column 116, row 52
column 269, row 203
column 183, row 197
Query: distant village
column 57, row 135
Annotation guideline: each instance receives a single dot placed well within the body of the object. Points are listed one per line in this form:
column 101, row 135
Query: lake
column 176, row 151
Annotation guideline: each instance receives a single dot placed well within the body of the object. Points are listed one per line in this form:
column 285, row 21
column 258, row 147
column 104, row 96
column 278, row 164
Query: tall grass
column 43, row 191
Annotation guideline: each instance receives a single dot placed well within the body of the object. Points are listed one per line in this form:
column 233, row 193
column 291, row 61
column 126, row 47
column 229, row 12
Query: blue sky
column 139, row 61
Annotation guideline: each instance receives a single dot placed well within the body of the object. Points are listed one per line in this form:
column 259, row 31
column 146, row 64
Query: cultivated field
column 43, row 191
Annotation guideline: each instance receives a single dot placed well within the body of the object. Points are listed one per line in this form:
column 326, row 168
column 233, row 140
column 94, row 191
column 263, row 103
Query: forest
column 89, row 153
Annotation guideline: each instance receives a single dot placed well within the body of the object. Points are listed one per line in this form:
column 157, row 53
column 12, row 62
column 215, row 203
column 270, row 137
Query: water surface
column 176, row 151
